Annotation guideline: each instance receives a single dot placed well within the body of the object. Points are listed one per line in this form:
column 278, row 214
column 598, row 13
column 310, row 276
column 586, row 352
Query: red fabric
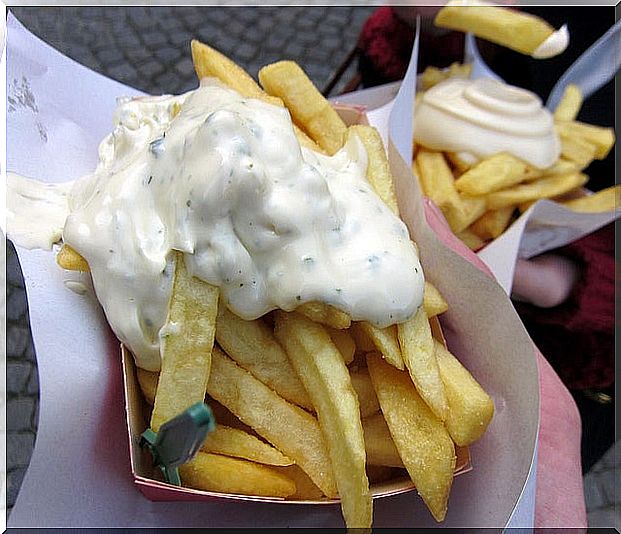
column 578, row 336
column 559, row 497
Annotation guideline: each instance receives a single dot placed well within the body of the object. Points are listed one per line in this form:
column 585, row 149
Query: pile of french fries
column 310, row 404
column 480, row 201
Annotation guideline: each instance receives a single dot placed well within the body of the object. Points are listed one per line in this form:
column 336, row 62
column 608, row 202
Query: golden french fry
column 494, row 173
column 470, row 239
column 364, row 343
column 367, row 399
column 562, row 166
column 326, row 378
column 380, row 447
column 459, row 70
column 344, row 342
column 439, row 185
column 578, row 150
column 287, row 427
column 186, row 341
column 570, row 104
column 470, row 408
column 378, row 169
column 543, row 188
column 432, row 76
column 418, row 353
column 516, row 30
column 68, row 258
column 602, row 138
column 458, row 164
column 433, row 301
column 222, row 474
column 147, row 380
column 425, row 447
column 386, row 342
column 493, row 223
column 308, row 107
column 305, row 488
column 253, row 346
column 208, row 62
column 325, row 314
column 608, row 199
column 473, row 208
column 234, row 442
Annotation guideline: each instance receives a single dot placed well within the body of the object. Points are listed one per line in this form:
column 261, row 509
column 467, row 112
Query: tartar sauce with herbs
column 223, row 179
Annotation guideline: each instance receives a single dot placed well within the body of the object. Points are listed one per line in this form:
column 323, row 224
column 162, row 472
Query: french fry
column 608, row 199
column 309, row 109
column 562, row 166
column 542, row 188
column 378, row 169
column 470, row 408
column 380, row 447
column 493, row 223
column 253, row 346
column 433, row 301
column 186, row 341
column 222, row 474
column 68, row 258
column 425, row 447
column 578, row 150
column 570, row 104
column 418, row 353
column 234, row 442
column 147, row 380
column 602, row 138
column 364, row 343
column 470, row 239
column 208, row 62
column 287, row 427
column 516, row 30
column 473, row 208
column 367, row 399
column 344, row 342
column 305, row 488
column 326, row 378
column 439, row 185
column 386, row 342
column 325, row 314
column 458, row 163
column 494, row 173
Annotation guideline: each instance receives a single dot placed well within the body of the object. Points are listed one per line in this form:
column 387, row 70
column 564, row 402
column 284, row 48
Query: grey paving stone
column 16, row 340
column 608, row 482
column 123, row 72
column 16, row 304
column 32, row 388
column 17, row 375
column 29, row 353
column 19, row 448
column 13, row 270
column 593, row 495
column 13, row 483
column 19, row 413
column 604, row 518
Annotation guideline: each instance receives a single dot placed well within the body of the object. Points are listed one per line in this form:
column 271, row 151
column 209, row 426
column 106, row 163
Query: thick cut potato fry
column 493, row 223
column 325, row 314
column 253, row 346
column 147, row 380
column 309, row 109
column 378, row 168
column 367, row 399
column 608, row 199
column 578, row 150
column 416, row 343
column 289, row 428
column 458, row 164
column 516, row 30
column 186, row 341
column 602, row 138
column 208, row 62
column 470, row 408
column 433, row 301
column 562, row 166
column 230, row 441
column 322, row 370
column 570, row 104
column 425, row 447
column 305, row 488
column 222, row 474
column 496, row 172
column 68, row 258
column 439, row 185
column 380, row 447
column 473, row 208
column 364, row 343
column 344, row 342
column 470, row 239
column 386, row 342
column 542, row 188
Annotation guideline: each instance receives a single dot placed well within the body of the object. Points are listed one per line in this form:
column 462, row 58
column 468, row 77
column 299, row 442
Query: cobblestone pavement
column 148, row 48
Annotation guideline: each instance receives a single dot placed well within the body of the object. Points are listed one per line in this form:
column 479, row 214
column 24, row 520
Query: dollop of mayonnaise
column 478, row 118
column 554, row 45
column 225, row 181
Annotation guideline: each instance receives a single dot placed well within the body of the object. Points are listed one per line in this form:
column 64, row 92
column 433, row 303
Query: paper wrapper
column 80, row 474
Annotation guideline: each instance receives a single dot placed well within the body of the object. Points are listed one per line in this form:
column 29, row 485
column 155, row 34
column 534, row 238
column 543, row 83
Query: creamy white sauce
column 478, row 118
column 554, row 45
column 272, row 224
column 36, row 211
